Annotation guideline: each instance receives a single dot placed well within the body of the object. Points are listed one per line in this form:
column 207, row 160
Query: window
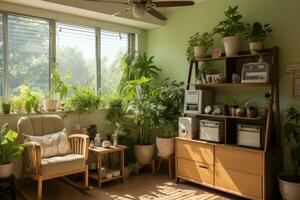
column 76, row 52
column 113, row 46
column 1, row 56
column 28, row 53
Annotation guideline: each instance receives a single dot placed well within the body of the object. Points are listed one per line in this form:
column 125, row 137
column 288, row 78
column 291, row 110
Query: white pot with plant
column 229, row 29
column 289, row 184
column 256, row 35
column 8, row 151
column 165, row 139
column 198, row 45
column 57, row 88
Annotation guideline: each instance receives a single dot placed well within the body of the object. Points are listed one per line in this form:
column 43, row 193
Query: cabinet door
column 241, row 183
column 203, row 153
column 195, row 171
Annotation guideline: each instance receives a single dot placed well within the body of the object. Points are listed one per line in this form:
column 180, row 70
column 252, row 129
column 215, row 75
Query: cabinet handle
column 204, row 167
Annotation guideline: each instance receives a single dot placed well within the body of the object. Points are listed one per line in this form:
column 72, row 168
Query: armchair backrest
column 40, row 125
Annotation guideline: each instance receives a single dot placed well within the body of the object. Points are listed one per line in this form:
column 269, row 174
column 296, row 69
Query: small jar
column 236, row 78
column 251, row 112
column 233, row 110
column 97, row 140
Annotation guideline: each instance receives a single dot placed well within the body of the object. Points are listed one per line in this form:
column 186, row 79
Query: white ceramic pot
column 231, row 45
column 289, row 190
column 116, row 173
column 143, row 153
column 165, row 146
column 200, row 51
column 6, row 170
column 256, row 47
column 50, row 105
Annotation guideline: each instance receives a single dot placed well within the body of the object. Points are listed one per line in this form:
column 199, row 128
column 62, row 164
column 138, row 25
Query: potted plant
column 6, row 106
column 256, row 34
column 229, row 28
column 240, row 107
column 27, row 100
column 57, row 86
column 8, row 151
column 198, row 45
column 118, row 132
column 165, row 139
column 145, row 114
column 289, row 184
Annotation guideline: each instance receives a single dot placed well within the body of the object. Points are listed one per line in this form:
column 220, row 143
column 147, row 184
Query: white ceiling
column 100, row 11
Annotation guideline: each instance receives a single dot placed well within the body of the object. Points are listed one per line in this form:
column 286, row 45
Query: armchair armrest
column 32, row 156
column 79, row 144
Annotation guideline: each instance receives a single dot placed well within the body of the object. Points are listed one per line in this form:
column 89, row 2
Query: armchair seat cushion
column 62, row 164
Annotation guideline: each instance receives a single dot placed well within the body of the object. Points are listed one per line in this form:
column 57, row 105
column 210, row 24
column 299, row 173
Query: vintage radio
column 196, row 100
column 257, row 72
column 250, row 135
column 188, row 128
column 211, row 130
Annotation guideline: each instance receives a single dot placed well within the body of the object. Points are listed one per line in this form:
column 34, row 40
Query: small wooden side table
column 100, row 152
column 140, row 165
column 11, row 181
column 170, row 163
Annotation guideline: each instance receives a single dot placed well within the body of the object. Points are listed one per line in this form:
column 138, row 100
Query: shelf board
column 94, row 175
column 219, row 85
column 228, row 117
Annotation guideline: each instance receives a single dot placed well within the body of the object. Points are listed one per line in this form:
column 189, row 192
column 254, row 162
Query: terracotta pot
column 50, row 105
column 6, row 170
column 143, row 153
column 200, row 51
column 289, row 187
column 231, row 45
column 256, row 47
column 165, row 146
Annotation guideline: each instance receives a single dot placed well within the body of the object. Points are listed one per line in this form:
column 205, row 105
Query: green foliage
column 242, row 103
column 27, row 99
column 258, row 32
column 232, row 23
column 167, row 129
column 116, row 110
column 8, row 149
column 57, row 84
column 206, row 69
column 119, row 131
column 291, row 134
column 83, row 99
column 204, row 40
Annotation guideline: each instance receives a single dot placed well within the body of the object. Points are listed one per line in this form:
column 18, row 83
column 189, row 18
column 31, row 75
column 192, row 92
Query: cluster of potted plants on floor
column 230, row 29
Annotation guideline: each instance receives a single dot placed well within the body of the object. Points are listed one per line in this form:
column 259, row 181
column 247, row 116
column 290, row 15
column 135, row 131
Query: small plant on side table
column 198, row 45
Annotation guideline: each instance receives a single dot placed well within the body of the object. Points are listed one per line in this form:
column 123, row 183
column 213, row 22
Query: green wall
column 168, row 43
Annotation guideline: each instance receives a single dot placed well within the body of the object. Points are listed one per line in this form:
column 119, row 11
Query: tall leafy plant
column 8, row 149
column 58, row 86
column 292, row 136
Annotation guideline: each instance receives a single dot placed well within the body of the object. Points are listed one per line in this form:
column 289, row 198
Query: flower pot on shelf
column 200, row 51
column 143, row 153
column 6, row 108
column 6, row 170
column 165, row 146
column 240, row 112
column 256, row 47
column 231, row 45
column 50, row 105
column 289, row 187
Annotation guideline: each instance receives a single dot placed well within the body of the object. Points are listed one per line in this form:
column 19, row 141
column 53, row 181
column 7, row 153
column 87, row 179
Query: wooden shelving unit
column 268, row 157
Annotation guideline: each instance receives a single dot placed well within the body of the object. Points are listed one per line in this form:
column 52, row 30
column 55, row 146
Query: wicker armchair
column 41, row 169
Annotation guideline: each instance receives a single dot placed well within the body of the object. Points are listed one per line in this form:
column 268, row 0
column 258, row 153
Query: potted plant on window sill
column 6, row 105
column 8, row 151
column 198, row 45
column 289, row 185
column 256, row 34
column 57, row 88
column 229, row 28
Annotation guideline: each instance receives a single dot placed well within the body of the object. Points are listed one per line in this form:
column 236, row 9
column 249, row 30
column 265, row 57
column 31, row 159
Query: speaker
column 188, row 128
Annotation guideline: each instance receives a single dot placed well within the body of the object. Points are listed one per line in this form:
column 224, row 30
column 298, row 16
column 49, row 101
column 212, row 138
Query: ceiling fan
column 141, row 7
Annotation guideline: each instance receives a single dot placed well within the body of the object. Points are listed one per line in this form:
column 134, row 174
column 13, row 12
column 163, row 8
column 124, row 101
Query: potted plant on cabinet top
column 256, row 34
column 289, row 185
column 198, row 45
column 8, row 151
column 57, row 86
column 145, row 114
column 229, row 28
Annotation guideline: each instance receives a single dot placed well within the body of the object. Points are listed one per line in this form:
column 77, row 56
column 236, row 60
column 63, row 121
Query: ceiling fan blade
column 155, row 13
column 122, row 11
column 173, row 3
column 109, row 1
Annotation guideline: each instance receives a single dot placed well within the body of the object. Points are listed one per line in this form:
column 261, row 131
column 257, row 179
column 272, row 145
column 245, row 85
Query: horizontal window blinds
column 1, row 56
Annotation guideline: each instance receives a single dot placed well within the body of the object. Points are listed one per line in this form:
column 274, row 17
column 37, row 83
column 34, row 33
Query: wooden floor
column 143, row 187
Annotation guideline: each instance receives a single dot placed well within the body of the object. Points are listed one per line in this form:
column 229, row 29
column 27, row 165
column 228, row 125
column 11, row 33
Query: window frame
column 132, row 46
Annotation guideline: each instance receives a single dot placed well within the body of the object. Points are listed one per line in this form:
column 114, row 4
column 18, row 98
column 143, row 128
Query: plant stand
column 170, row 163
column 140, row 165
column 10, row 186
